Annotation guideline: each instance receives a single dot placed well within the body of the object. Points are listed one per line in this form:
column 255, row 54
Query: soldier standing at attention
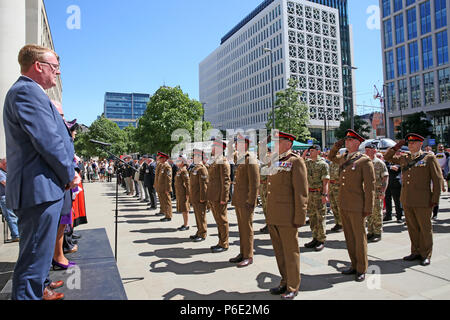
column 264, row 173
column 318, row 178
column 182, row 191
column 218, row 193
column 333, row 196
column 163, row 186
column 356, row 197
column 198, row 184
column 375, row 220
column 244, row 199
column 419, row 171
column 287, row 201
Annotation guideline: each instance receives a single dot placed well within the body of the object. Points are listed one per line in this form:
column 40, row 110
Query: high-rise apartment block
column 125, row 108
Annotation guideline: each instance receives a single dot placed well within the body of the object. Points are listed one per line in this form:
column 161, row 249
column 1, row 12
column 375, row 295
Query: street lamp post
column 352, row 111
column 272, row 89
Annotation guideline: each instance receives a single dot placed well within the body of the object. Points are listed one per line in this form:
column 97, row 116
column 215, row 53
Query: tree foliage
column 291, row 114
column 169, row 109
column 360, row 126
column 415, row 123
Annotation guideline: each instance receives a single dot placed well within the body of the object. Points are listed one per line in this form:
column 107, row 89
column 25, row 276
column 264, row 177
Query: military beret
column 414, row 137
column 314, row 147
column 163, row 155
column 371, row 145
column 352, row 134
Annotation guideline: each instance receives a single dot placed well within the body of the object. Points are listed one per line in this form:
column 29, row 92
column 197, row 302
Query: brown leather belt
column 315, row 190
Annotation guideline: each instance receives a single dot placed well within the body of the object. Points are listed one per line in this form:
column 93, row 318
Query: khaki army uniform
column 417, row 195
column 244, row 199
column 219, row 191
column 163, row 186
column 182, row 190
column 263, row 187
column 198, row 185
column 318, row 171
column 287, row 201
column 375, row 220
column 356, row 196
column 333, row 192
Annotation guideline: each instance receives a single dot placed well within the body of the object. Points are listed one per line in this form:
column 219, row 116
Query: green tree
column 415, row 123
column 103, row 130
column 169, row 109
column 130, row 139
column 361, row 126
column 291, row 114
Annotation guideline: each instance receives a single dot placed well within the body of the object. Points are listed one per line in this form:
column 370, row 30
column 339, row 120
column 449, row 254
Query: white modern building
column 21, row 22
column 305, row 43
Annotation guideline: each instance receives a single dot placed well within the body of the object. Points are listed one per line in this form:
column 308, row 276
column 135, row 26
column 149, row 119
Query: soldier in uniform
column 218, row 193
column 375, row 220
column 244, row 200
column 318, row 178
column 198, row 183
column 356, row 197
column 333, row 191
column 182, row 191
column 419, row 171
column 287, row 201
column 264, row 172
column 163, row 186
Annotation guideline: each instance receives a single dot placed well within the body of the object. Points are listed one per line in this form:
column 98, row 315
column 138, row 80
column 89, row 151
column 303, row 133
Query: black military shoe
column 193, row 237
column 183, row 228
column 425, row 262
column 311, row 244
column 198, row 239
column 376, row 238
column 412, row 257
column 265, row 229
column 336, row 228
column 289, row 295
column 387, row 218
column 278, row 290
column 159, row 214
column 348, row 271
column 319, row 246
column 219, row 249
column 165, row 219
column 237, row 259
column 360, row 277
column 369, row 236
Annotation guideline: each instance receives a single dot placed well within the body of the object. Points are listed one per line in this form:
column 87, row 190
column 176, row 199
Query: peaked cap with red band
column 286, row 136
column 354, row 135
column 219, row 143
column 414, row 137
column 163, row 155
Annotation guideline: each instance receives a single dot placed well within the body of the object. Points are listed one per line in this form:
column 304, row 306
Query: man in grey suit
column 40, row 152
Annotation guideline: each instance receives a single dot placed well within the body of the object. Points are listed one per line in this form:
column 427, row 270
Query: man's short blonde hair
column 31, row 53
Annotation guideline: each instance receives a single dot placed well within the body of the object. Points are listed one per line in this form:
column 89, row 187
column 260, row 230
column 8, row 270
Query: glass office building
column 125, row 108
column 306, row 44
column 415, row 36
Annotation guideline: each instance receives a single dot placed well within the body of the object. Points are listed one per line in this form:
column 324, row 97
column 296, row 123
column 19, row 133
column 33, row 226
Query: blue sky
column 139, row 45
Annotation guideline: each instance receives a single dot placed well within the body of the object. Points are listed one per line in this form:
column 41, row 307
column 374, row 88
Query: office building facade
column 21, row 22
column 305, row 42
column 415, row 36
column 125, row 108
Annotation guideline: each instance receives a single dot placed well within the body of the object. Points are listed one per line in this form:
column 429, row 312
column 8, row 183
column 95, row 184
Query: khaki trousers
column 356, row 239
column 200, row 219
column 287, row 252
column 220, row 215
column 245, row 226
column 420, row 230
column 165, row 203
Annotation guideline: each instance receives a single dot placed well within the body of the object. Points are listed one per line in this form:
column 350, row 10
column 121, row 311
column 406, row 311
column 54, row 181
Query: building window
column 413, row 57
column 386, row 8
column 412, row 23
column 391, row 98
column 390, row 65
column 402, row 94
column 428, row 84
column 401, row 61
column 442, row 48
column 388, row 33
column 427, row 52
column 441, row 13
column 398, row 4
column 444, row 85
column 410, row 2
column 399, row 29
column 425, row 17
column 415, row 91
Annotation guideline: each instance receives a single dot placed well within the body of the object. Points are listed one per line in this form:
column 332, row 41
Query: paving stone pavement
column 157, row 262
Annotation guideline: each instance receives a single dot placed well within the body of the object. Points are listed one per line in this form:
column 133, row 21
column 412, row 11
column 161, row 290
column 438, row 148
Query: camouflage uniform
column 375, row 220
column 333, row 192
column 317, row 172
